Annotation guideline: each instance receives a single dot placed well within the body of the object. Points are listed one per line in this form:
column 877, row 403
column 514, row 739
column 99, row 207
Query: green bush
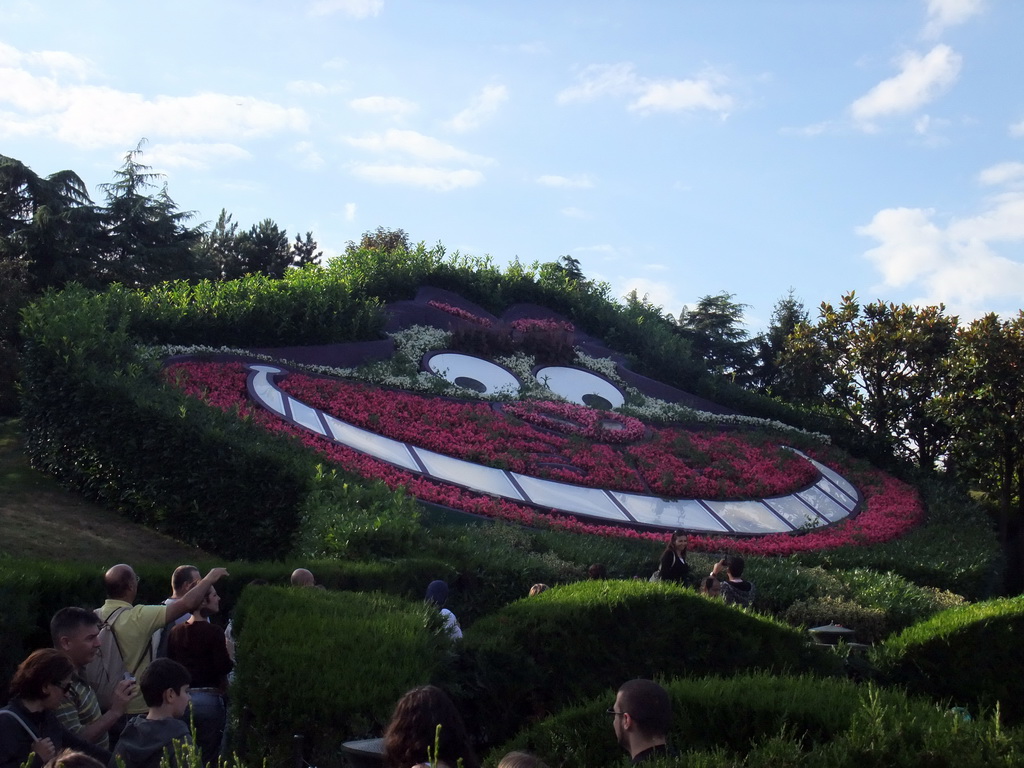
column 869, row 624
column 967, row 655
column 956, row 549
column 327, row 665
column 97, row 416
column 497, row 563
column 31, row 592
column 541, row 653
column 306, row 307
column 345, row 519
column 765, row 720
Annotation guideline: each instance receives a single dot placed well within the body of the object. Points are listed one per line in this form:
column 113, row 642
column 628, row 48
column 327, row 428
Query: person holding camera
column 735, row 590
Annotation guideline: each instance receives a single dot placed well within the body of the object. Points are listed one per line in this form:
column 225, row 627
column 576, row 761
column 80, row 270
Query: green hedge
column 97, row 416
column 956, row 549
column 31, row 592
column 764, row 720
column 969, row 656
column 327, row 665
column 541, row 653
column 307, row 307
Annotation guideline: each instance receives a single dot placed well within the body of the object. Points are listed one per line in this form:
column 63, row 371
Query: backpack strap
column 16, row 716
column 109, row 622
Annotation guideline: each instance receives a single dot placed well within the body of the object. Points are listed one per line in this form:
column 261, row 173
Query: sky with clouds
column 679, row 149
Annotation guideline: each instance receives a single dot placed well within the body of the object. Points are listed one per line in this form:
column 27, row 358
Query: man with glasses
column 641, row 718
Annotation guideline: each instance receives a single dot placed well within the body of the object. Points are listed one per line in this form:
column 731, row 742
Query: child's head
column 161, row 676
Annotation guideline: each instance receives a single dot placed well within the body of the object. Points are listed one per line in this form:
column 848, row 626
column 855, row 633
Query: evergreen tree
column 714, row 328
column 49, row 224
column 304, row 251
column 264, row 249
column 148, row 240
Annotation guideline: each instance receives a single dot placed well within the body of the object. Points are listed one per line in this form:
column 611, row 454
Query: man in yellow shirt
column 135, row 626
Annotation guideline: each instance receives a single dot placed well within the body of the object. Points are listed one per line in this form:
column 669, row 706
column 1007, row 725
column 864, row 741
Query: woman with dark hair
column 673, row 565
column 421, row 716
column 200, row 647
column 28, row 725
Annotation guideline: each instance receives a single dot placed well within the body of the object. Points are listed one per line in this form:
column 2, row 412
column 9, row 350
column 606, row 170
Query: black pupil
column 468, row 383
column 596, row 401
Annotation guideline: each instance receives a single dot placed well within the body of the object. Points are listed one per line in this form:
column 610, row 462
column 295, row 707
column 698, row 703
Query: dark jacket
column 671, row 568
column 16, row 742
column 738, row 592
column 143, row 741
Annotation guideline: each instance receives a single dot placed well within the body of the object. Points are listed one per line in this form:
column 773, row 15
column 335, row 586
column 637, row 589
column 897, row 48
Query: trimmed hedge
column 327, row 665
column 31, row 592
column 96, row 416
column 956, row 549
column 764, row 720
column 541, row 653
column 969, row 656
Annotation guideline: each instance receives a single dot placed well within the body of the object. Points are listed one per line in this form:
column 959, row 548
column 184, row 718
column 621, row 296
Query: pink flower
column 460, row 313
column 673, row 462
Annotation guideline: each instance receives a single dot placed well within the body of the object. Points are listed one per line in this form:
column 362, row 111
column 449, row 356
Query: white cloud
column 1003, row 173
column 197, row 156
column 350, row 211
column 566, row 182
column 814, row 129
column 575, row 213
column 438, row 179
column 358, row 9
column 973, row 264
column 680, row 95
column 54, row 62
column 601, row 80
column 484, row 107
column 621, row 80
column 417, row 145
column 311, row 88
column 392, row 106
column 949, row 13
column 97, row 116
column 921, row 79
column 308, row 157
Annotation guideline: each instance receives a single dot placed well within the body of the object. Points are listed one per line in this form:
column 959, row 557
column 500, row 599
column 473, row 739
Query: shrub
column 356, row 521
column 31, row 592
column 869, row 624
column 541, row 653
column 765, row 720
column 956, row 549
column 966, row 655
column 327, row 665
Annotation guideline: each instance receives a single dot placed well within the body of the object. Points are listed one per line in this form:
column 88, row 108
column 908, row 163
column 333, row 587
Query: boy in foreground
column 147, row 737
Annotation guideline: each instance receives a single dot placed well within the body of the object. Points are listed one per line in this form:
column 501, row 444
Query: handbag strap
column 24, row 725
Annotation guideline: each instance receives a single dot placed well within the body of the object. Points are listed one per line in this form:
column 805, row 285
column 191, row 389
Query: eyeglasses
column 611, row 711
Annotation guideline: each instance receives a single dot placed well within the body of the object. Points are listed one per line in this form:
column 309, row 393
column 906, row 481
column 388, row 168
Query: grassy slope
column 41, row 520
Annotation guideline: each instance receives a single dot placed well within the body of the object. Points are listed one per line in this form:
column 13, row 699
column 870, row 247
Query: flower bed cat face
column 563, row 444
column 527, row 419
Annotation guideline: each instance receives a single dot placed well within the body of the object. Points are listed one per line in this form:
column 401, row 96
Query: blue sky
column 678, row 148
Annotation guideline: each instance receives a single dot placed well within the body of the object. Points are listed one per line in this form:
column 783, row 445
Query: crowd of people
column 164, row 667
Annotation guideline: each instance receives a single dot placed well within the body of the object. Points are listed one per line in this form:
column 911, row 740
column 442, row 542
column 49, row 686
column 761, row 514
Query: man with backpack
column 133, row 627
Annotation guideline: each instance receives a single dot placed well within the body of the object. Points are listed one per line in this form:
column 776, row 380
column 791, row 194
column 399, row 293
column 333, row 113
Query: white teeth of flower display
column 826, row 500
